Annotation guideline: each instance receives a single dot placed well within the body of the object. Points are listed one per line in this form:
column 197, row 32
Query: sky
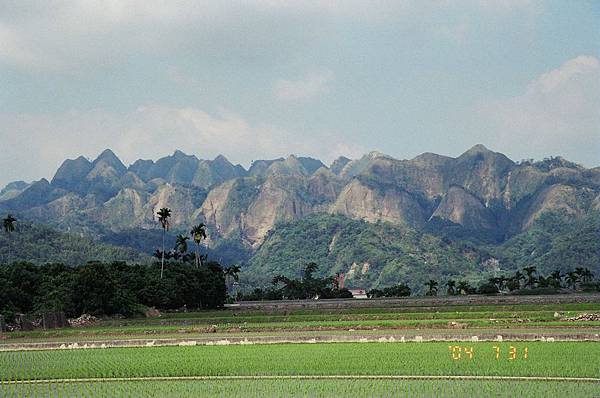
column 260, row 79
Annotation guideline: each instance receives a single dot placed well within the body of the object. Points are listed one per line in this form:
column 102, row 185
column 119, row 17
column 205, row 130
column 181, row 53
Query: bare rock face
column 462, row 208
column 178, row 198
column 252, row 206
column 223, row 207
column 596, row 203
column 216, row 171
column 359, row 201
column 558, row 197
column 358, row 166
column 70, row 174
column 124, row 210
column 423, row 175
column 280, row 198
column 481, row 172
column 520, row 183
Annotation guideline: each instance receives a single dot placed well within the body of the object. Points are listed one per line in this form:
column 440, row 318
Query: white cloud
column 61, row 35
column 308, row 87
column 559, row 113
column 148, row 132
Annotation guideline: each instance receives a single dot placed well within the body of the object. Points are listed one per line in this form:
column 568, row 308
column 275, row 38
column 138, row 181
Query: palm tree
column 572, row 279
column 463, row 287
column 432, row 288
column 557, row 278
column 163, row 217
column 181, row 243
column 519, row 277
column 451, row 287
column 198, row 234
column 584, row 274
column 587, row 275
column 530, row 277
column 9, row 227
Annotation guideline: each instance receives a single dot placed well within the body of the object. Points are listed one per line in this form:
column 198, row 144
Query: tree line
column 100, row 288
column 307, row 287
column 525, row 281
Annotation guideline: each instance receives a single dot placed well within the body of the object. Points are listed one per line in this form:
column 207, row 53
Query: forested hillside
column 41, row 244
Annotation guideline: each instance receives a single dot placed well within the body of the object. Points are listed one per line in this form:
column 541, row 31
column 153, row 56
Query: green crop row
column 567, row 359
column 307, row 388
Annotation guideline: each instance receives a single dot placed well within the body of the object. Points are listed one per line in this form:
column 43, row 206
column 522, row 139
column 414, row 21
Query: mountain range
column 481, row 197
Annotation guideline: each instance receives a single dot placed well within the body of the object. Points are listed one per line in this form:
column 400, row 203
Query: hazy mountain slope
column 480, row 196
column 369, row 254
column 40, row 244
column 555, row 241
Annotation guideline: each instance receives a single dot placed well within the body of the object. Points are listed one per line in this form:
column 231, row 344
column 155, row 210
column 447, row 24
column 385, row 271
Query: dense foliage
column 307, row 287
column 108, row 288
column 38, row 243
column 554, row 242
column 380, row 255
column 371, row 255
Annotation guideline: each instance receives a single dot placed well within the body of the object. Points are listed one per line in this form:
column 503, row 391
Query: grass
column 308, row 388
column 544, row 359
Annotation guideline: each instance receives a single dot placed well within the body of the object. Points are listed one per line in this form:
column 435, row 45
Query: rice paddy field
column 382, row 369
column 567, row 364
column 478, row 318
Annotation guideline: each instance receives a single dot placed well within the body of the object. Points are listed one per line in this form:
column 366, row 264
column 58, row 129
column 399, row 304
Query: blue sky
column 262, row 79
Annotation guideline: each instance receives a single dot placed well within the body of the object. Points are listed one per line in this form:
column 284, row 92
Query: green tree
column 232, row 273
column 451, row 287
column 9, row 228
column 464, row 287
column 572, row 279
column 181, row 244
column 163, row 217
column 556, row 279
column 198, row 233
column 531, row 279
column 587, row 275
column 432, row 288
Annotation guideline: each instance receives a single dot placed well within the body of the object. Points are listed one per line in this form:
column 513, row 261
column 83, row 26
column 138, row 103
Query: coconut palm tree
column 9, row 228
column 451, row 287
column 181, row 244
column 571, row 279
column 519, row 277
column 432, row 285
column 556, row 278
column 530, row 277
column 587, row 275
column 198, row 233
column 163, row 218
column 463, row 287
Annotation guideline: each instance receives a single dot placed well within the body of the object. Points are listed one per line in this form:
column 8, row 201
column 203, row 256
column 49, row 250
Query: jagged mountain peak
column 289, row 166
column 260, row 166
column 478, row 148
column 430, row 159
column 221, row 159
column 107, row 155
column 338, row 164
column 480, row 153
column 109, row 158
